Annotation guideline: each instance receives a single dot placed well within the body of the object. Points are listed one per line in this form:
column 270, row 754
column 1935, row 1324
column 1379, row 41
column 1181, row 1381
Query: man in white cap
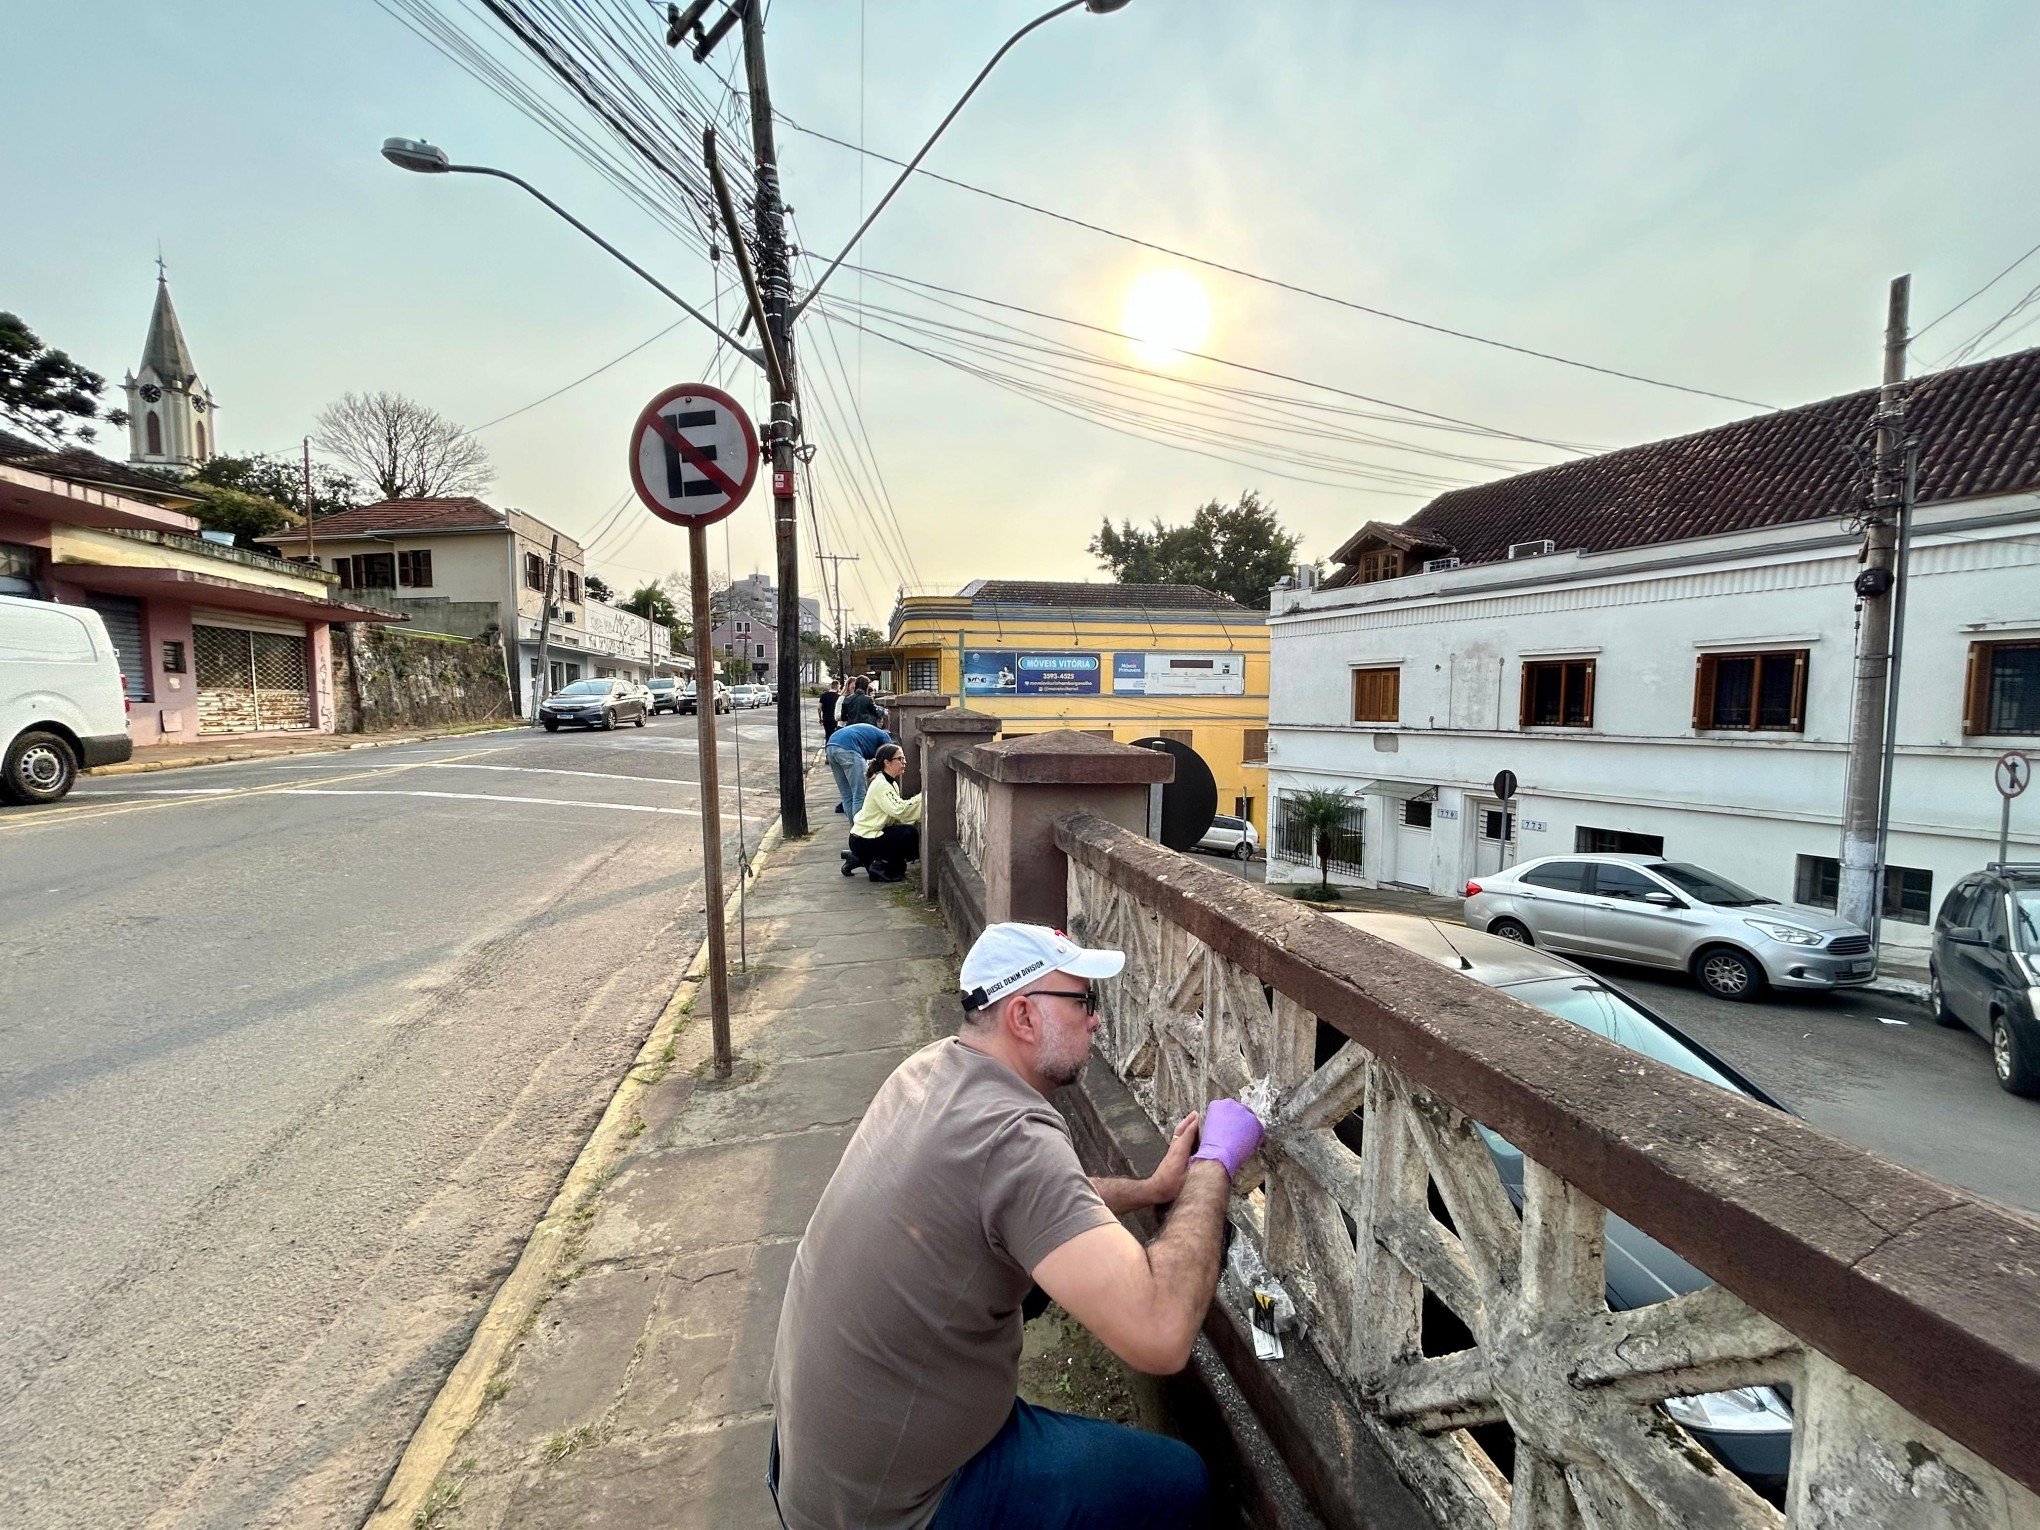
column 899, row 1343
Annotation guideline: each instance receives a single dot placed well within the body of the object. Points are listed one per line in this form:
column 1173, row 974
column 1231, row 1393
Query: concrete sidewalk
column 636, row 1395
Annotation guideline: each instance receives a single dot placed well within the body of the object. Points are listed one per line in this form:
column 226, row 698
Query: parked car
column 748, row 696
column 1659, row 913
column 643, row 693
column 62, row 705
column 1748, row 1429
column 665, row 694
column 688, row 699
column 1230, row 836
column 1985, row 967
column 592, row 704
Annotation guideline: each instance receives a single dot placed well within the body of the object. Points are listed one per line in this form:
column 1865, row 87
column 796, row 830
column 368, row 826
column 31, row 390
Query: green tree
column 1234, row 550
column 282, row 480
column 44, row 392
column 247, row 516
column 598, row 589
column 819, row 649
column 659, row 602
column 1319, row 814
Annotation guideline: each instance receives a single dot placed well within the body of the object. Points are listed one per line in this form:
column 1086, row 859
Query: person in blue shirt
column 847, row 752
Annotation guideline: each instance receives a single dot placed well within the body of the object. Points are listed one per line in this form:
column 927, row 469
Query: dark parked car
column 1985, row 967
column 592, row 704
column 1748, row 1428
column 665, row 694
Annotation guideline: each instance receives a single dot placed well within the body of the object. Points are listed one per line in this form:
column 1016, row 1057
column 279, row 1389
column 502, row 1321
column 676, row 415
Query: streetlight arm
column 504, row 175
column 914, row 163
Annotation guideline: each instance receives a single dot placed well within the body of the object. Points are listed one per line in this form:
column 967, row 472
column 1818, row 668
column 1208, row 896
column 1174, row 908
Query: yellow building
column 1123, row 661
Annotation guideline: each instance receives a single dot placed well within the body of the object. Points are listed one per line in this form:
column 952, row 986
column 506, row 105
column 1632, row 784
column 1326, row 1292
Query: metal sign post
column 693, row 458
column 2014, row 775
column 1505, row 788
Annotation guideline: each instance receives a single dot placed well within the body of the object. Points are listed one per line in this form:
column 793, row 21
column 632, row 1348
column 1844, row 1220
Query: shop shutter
column 123, row 618
column 250, row 680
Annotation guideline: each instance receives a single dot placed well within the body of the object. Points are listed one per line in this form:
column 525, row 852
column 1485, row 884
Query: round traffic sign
column 2014, row 773
column 693, row 455
column 1505, row 785
column 1190, row 801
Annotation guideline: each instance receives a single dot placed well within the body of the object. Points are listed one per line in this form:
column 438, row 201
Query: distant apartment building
column 748, row 629
column 461, row 566
column 1659, row 644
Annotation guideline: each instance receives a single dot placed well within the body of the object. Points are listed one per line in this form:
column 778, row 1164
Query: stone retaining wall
column 387, row 678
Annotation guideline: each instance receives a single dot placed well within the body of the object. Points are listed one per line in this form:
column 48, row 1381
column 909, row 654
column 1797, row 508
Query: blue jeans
column 847, row 766
column 1054, row 1471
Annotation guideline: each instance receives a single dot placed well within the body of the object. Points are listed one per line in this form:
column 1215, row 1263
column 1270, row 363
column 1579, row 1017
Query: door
column 250, row 682
column 123, row 617
column 1551, row 899
column 1984, row 968
column 1617, row 922
column 1961, row 909
column 1495, row 837
column 1413, row 846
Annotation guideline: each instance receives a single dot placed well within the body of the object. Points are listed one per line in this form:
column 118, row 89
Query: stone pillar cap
column 958, row 720
column 1068, row 758
column 920, row 699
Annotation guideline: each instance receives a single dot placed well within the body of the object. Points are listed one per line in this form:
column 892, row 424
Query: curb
column 462, row 1396
column 143, row 767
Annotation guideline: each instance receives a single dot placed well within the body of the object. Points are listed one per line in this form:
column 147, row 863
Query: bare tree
column 405, row 449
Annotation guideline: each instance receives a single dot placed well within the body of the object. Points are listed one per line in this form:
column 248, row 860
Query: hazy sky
column 1712, row 195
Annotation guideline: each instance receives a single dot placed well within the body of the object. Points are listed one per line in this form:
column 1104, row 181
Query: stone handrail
column 1898, row 1314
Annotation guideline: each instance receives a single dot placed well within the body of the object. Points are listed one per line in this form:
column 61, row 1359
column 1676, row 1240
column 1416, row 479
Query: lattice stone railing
column 1211, row 1002
column 971, row 803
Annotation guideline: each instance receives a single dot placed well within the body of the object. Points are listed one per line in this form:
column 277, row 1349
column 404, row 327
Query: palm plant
column 1319, row 813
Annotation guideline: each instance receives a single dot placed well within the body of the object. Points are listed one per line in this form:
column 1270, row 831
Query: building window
column 1295, row 840
column 573, row 585
column 1558, row 694
column 1377, row 695
column 173, row 656
column 1177, row 736
column 1497, row 825
column 534, row 572
column 1908, row 891
column 761, row 650
column 1416, row 815
column 1382, row 563
column 153, row 429
column 2004, row 688
column 743, row 629
column 924, row 674
column 415, row 569
column 367, row 571
column 201, row 443
column 1751, row 691
column 1616, row 842
column 1253, row 747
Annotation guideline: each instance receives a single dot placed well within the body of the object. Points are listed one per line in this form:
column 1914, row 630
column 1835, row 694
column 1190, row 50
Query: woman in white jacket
column 885, row 835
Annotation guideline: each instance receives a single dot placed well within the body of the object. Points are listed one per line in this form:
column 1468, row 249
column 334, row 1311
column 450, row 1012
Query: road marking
column 547, row 770
column 371, row 791
column 117, row 794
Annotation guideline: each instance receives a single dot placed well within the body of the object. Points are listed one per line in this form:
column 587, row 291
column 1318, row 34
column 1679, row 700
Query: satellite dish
column 1189, row 802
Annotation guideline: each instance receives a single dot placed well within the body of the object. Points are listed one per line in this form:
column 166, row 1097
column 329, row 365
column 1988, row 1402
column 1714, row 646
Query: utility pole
column 311, row 537
column 544, row 686
column 775, row 290
column 1860, row 898
column 836, row 562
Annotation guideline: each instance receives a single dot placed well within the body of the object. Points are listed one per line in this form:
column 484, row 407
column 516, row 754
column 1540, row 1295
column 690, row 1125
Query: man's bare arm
column 1159, row 1188
column 1146, row 1305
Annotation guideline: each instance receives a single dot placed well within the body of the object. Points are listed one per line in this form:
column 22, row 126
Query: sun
column 1167, row 312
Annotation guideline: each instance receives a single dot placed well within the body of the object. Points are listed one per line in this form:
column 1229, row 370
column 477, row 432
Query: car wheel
column 40, row 767
column 2012, row 1059
column 1938, row 997
column 1243, row 851
column 1728, row 974
column 608, row 719
column 551, row 727
column 1512, row 929
column 640, row 719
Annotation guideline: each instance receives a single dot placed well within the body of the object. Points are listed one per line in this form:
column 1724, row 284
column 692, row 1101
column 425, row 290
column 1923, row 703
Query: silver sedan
column 1659, row 913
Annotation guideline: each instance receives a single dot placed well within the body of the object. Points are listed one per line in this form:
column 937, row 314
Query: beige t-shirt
column 899, row 1344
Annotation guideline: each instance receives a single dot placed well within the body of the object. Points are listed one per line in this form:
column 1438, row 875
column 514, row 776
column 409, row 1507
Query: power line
column 1278, row 283
column 1979, row 292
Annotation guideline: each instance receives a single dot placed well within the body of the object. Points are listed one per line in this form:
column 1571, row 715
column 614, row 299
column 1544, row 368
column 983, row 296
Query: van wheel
column 40, row 767
column 1511, row 929
column 1938, row 997
column 2012, row 1059
column 1728, row 974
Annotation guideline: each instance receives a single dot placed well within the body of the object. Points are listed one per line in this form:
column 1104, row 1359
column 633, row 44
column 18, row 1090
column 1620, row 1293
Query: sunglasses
column 1088, row 995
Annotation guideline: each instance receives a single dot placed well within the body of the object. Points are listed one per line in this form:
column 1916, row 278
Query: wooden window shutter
column 1703, row 693
column 1391, row 685
column 1173, row 735
column 1253, row 744
column 1587, row 701
column 1976, row 690
column 1523, row 700
column 1799, row 691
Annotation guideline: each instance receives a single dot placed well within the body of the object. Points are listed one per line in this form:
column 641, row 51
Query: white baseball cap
column 1009, row 956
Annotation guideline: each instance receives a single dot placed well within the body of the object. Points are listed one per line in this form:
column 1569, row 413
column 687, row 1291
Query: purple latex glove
column 1231, row 1133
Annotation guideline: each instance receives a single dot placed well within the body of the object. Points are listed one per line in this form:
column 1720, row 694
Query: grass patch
column 495, row 1391
column 560, row 1446
column 443, row 1501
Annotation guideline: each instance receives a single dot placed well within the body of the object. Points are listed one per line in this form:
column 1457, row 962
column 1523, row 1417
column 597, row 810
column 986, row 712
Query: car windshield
column 2026, row 919
column 1706, row 887
column 1605, row 1012
column 586, row 688
column 662, row 685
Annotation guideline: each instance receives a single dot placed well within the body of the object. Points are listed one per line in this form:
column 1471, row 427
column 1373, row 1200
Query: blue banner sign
column 1012, row 672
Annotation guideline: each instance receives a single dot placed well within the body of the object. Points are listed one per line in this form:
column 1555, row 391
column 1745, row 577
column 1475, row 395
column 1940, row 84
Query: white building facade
column 1686, row 696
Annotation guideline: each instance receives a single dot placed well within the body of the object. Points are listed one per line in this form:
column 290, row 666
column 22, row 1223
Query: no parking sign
column 693, row 455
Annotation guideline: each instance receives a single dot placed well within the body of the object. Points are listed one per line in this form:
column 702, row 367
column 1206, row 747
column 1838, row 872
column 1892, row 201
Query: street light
column 415, row 154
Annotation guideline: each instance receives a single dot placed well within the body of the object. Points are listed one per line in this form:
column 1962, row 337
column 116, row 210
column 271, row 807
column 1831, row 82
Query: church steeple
column 170, row 412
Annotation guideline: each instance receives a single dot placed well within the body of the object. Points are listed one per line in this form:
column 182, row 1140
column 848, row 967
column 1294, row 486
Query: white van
column 61, row 704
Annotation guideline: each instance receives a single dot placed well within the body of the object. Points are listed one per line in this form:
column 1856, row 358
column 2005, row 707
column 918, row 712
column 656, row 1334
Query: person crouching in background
column 884, row 836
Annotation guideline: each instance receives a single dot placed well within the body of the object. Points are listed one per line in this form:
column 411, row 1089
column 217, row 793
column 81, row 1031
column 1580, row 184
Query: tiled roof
column 1978, row 428
column 1079, row 595
column 462, row 514
column 1406, row 537
column 82, row 466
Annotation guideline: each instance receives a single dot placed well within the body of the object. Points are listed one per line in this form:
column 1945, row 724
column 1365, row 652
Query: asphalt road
column 1874, row 1070
column 293, row 1053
